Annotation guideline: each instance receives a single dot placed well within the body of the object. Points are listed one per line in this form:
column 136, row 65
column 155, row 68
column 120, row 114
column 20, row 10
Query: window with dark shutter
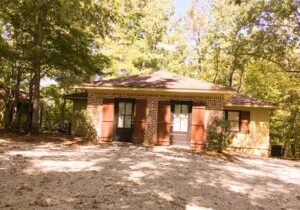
column 239, row 120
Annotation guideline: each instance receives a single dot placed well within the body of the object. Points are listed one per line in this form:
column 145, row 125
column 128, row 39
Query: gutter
column 251, row 106
column 155, row 90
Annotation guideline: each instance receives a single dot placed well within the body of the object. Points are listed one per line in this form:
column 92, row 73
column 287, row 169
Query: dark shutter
column 164, row 123
column 244, row 121
column 197, row 125
column 107, row 119
column 139, row 121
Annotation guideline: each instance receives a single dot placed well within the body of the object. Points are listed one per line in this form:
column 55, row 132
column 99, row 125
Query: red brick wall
column 213, row 107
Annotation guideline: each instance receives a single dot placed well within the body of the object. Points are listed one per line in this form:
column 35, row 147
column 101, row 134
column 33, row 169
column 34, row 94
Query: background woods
column 49, row 38
column 251, row 46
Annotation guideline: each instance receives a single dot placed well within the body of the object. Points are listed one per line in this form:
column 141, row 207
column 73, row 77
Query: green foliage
column 53, row 110
column 239, row 35
column 146, row 38
column 251, row 46
column 54, row 38
column 218, row 134
column 68, row 45
column 83, row 126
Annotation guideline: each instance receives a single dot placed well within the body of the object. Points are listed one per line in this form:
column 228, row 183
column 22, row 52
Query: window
column 234, row 120
column 239, row 120
column 125, row 114
column 181, row 116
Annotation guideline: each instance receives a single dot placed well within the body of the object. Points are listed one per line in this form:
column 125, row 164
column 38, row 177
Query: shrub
column 83, row 126
column 219, row 134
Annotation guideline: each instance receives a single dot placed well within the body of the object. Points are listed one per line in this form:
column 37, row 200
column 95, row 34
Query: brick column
column 151, row 129
column 94, row 113
column 214, row 109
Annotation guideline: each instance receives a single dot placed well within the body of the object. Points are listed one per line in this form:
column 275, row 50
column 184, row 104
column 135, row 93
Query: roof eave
column 76, row 98
column 152, row 90
column 251, row 106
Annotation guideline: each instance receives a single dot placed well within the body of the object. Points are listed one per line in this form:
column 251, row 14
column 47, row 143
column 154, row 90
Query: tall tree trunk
column 8, row 115
column 217, row 64
column 233, row 69
column 230, row 80
column 63, row 109
column 241, row 80
column 10, row 103
column 37, row 69
column 17, row 97
column 29, row 112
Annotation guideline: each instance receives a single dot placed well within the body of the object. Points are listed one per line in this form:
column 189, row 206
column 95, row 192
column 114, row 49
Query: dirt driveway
column 61, row 175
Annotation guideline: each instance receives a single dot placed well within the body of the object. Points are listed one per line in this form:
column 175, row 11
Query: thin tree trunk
column 241, row 80
column 232, row 70
column 17, row 97
column 29, row 113
column 12, row 96
column 199, row 64
column 63, row 109
column 8, row 115
column 217, row 64
column 231, row 78
column 36, row 100
column 37, row 70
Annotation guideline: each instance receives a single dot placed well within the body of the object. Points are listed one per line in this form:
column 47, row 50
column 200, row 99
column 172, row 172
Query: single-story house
column 163, row 108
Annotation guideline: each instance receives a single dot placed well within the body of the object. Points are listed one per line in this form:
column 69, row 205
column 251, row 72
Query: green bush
column 83, row 126
column 219, row 134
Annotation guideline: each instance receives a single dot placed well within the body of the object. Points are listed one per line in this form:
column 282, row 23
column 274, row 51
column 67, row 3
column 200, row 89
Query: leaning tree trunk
column 35, row 127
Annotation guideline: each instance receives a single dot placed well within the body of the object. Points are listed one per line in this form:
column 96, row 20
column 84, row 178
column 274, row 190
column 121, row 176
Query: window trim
column 240, row 121
column 124, row 115
column 117, row 113
column 180, row 118
column 190, row 105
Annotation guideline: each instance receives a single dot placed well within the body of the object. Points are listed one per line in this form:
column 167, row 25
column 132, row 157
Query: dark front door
column 124, row 119
column 180, row 122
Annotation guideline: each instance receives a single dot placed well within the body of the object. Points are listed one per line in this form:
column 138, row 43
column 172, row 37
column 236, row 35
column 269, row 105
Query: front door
column 181, row 122
column 124, row 119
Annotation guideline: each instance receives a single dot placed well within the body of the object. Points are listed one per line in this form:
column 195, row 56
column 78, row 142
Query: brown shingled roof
column 236, row 100
column 159, row 80
column 241, row 99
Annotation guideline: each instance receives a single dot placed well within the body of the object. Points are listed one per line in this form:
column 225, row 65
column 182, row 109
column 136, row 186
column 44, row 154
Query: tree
column 196, row 19
column 252, row 47
column 57, row 40
column 136, row 43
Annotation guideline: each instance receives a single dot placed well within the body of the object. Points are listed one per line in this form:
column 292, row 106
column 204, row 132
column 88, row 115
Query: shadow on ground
column 60, row 174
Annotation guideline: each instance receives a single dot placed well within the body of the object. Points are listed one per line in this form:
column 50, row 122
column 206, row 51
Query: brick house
column 163, row 108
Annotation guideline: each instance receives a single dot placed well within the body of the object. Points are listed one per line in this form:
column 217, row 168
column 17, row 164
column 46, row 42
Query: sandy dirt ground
column 57, row 173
